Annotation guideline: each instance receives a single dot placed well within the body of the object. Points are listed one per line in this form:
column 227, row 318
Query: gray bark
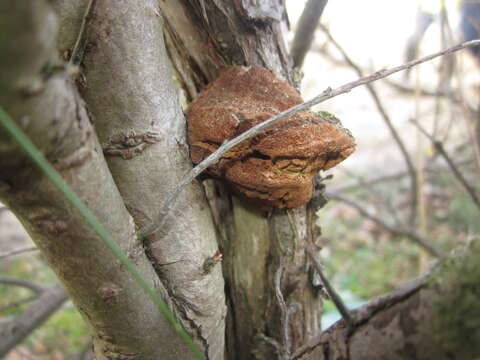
column 36, row 91
column 129, row 91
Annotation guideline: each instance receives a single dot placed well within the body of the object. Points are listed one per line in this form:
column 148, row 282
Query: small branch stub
column 276, row 167
column 131, row 144
column 210, row 262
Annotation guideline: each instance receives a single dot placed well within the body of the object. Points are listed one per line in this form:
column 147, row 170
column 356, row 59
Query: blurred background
column 405, row 197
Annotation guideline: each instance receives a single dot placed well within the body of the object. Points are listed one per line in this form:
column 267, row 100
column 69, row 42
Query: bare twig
column 17, row 252
column 394, row 230
column 451, row 95
column 324, row 96
column 38, row 289
column 79, row 48
column 391, row 177
column 16, row 329
column 456, row 172
column 305, row 31
column 378, row 200
column 336, row 299
column 366, row 312
column 388, row 121
column 284, row 312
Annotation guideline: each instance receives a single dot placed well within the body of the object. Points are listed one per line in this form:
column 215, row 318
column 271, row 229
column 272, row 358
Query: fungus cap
column 276, row 167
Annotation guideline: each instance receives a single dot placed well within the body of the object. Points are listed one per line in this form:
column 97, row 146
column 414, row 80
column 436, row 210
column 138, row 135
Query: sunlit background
column 362, row 258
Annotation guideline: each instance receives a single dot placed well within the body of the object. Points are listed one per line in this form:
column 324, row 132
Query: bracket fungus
column 277, row 166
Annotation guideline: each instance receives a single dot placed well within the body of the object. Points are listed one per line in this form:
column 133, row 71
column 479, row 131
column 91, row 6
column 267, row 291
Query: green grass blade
column 16, row 132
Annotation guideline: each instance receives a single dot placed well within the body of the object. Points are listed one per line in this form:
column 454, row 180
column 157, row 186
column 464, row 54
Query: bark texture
column 130, row 92
column 36, row 91
column 273, row 307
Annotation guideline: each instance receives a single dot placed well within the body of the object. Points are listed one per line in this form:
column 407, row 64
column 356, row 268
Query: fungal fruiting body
column 276, row 167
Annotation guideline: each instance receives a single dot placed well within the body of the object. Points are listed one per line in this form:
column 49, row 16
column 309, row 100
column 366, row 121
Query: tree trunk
column 273, row 308
column 130, row 94
column 124, row 322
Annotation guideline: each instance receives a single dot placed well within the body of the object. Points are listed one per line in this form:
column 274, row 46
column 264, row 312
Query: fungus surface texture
column 276, row 167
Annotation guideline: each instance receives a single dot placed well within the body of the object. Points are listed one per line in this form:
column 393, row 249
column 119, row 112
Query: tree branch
column 333, row 295
column 353, row 185
column 36, row 288
column 15, row 330
column 324, row 96
column 305, row 31
column 456, row 172
column 125, row 95
column 388, row 121
column 8, row 254
column 17, row 303
column 425, row 319
column 36, row 91
column 364, row 313
column 394, row 230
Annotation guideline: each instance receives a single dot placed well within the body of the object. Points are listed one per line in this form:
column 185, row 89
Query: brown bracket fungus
column 276, row 167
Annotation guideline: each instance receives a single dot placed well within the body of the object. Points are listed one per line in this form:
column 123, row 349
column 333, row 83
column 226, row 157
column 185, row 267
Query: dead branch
column 364, row 313
column 332, row 293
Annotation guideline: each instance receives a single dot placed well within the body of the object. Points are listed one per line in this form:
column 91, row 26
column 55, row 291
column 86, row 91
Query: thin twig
column 451, row 95
column 394, row 230
column 305, row 31
column 456, row 172
column 388, row 121
column 378, row 199
column 283, row 312
column 324, row 96
column 17, row 252
column 349, row 186
column 38, row 289
column 336, row 299
column 79, row 48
